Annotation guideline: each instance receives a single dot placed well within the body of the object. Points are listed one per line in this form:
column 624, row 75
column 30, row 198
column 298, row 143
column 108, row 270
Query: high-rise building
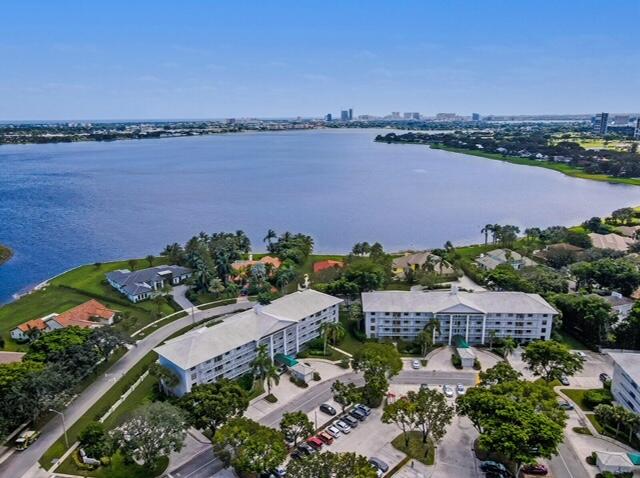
column 395, row 115
column 636, row 133
column 475, row 117
column 344, row 115
column 411, row 116
column 328, row 117
column 600, row 123
column 350, row 114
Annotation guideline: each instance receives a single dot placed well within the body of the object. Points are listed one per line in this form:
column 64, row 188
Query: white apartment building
column 473, row 316
column 626, row 379
column 226, row 350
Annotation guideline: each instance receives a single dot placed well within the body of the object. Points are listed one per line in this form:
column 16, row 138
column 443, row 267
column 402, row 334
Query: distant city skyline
column 200, row 60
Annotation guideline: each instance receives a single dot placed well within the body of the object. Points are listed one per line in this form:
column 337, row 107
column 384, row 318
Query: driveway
column 18, row 464
column 179, row 294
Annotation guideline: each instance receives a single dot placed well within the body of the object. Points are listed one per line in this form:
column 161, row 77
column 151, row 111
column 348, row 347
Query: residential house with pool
column 147, row 283
column 471, row 316
column 226, row 350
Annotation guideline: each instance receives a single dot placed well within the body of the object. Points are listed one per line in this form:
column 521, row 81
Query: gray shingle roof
column 137, row 282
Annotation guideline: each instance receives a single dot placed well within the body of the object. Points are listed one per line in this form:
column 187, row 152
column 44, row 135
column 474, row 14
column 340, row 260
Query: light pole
column 64, row 427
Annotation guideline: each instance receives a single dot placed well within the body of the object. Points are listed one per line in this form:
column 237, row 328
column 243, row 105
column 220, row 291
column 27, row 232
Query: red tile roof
column 80, row 315
column 328, row 264
column 33, row 324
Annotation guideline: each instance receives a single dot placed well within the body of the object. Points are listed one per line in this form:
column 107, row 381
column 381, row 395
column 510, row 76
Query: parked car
column 315, row 442
column 333, row 431
column 296, row 455
column 343, row 427
column 493, row 466
column 581, row 354
column 460, row 389
column 363, row 408
column 306, row 449
column 358, row 415
column 352, row 422
column 328, row 409
column 379, row 464
column 564, row 380
column 604, row 377
column 415, row 365
column 447, row 390
column 565, row 405
column 282, row 369
column 325, row 438
column 536, row 469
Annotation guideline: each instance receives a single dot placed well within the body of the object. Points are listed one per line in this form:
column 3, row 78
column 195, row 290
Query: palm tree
column 261, row 363
column 632, row 421
column 166, row 378
column 425, row 339
column 508, row 346
column 284, row 277
column 333, row 331
column 433, row 327
column 271, row 235
column 486, row 230
column 216, row 287
column 150, row 259
column 492, row 336
column 271, row 376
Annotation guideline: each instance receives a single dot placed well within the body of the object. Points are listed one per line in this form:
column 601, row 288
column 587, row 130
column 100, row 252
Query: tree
column 150, row 259
column 345, row 394
column 272, row 376
column 211, row 405
column 499, row 373
column 378, row 362
column 260, row 365
column 551, row 360
column 331, row 331
column 296, row 425
column 586, row 316
column 250, row 447
column 331, row 465
column 132, row 263
column 432, row 413
column 94, row 440
column 106, row 340
column 167, row 379
column 486, row 230
column 623, row 215
column 153, row 431
column 271, row 235
column 216, row 287
column 53, row 344
column 402, row 413
column 508, row 346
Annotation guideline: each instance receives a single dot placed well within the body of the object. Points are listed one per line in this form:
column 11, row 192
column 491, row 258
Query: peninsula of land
column 5, row 254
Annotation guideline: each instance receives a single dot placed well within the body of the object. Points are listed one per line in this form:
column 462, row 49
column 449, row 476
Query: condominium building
column 226, row 350
column 601, row 123
column 473, row 316
column 625, row 383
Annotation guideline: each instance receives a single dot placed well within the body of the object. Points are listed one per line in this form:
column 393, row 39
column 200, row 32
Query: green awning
column 460, row 342
column 287, row 360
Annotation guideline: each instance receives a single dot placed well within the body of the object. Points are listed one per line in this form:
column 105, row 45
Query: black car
column 492, row 466
column 357, row 414
column 349, row 420
column 379, row 464
column 328, row 409
column 296, row 455
column 306, row 449
column 604, row 378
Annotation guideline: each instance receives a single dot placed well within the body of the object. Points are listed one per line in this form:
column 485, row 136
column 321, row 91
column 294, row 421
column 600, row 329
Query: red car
column 315, row 442
column 536, row 469
column 325, row 437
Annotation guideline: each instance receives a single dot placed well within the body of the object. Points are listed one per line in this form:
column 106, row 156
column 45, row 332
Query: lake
column 62, row 205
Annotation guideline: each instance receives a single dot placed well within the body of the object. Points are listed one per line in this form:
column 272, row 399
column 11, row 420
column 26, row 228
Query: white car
column 333, row 431
column 460, row 389
column 447, row 390
column 343, row 427
column 581, row 354
column 415, row 364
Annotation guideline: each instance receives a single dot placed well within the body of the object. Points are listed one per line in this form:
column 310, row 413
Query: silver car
column 447, row 390
column 343, row 427
column 333, row 431
column 460, row 389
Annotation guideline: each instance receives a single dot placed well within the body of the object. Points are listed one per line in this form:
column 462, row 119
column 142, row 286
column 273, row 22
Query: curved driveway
column 19, row 463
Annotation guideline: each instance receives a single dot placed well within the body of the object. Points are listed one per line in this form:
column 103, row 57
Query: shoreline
column 558, row 167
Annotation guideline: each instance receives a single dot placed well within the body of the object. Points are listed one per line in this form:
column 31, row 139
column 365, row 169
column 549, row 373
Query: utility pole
column 64, row 426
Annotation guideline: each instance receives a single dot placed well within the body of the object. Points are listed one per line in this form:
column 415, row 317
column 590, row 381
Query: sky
column 218, row 59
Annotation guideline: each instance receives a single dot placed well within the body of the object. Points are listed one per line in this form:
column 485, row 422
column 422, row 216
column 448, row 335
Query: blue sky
column 214, row 59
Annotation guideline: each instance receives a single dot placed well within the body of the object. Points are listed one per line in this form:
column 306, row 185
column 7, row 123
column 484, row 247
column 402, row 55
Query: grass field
column 349, row 343
column 73, row 288
column 417, row 450
column 569, row 340
column 577, row 396
column 560, row 167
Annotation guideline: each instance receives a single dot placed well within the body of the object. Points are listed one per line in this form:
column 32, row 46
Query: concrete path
column 18, row 464
column 179, row 294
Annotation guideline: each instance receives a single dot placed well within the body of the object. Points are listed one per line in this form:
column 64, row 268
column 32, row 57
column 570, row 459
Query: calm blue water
column 68, row 204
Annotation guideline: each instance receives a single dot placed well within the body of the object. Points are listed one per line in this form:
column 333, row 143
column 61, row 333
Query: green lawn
column 424, row 453
column 73, row 288
column 577, row 396
column 569, row 341
column 117, row 469
column 349, row 343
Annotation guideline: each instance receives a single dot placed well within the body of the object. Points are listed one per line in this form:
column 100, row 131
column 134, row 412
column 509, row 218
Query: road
column 566, row 464
column 205, row 464
column 19, row 463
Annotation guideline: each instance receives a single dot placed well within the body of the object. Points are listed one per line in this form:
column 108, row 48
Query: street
column 19, row 463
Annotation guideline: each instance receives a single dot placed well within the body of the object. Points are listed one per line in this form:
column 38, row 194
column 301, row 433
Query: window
column 372, row 328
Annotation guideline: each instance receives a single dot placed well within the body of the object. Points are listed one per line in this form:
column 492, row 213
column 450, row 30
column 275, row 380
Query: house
column 620, row 304
column 328, row 264
column 147, row 283
column 273, row 261
column 424, row 260
column 612, row 241
column 497, row 257
column 90, row 314
column 226, row 350
column 474, row 316
column 562, row 247
column 625, row 382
